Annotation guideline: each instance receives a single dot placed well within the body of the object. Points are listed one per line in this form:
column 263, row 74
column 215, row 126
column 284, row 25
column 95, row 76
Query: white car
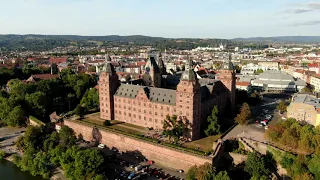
column 101, row 146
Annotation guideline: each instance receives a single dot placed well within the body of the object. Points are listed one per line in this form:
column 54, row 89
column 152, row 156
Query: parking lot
column 256, row 130
column 123, row 164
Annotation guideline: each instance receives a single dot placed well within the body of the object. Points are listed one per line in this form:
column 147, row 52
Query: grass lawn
column 115, row 125
column 204, row 144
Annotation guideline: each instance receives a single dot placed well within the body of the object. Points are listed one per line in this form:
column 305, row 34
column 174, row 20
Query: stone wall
column 160, row 154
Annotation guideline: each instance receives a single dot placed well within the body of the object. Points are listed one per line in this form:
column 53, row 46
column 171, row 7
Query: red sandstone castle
column 148, row 101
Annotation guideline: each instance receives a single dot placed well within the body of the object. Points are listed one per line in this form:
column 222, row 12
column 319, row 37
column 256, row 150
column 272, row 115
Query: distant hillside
column 281, row 39
column 46, row 42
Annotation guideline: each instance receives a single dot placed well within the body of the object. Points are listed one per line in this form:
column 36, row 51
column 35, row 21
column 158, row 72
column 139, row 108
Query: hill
column 47, row 42
column 281, row 39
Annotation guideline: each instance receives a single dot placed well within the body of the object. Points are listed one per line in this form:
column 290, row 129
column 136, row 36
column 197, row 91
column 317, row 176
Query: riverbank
column 10, row 136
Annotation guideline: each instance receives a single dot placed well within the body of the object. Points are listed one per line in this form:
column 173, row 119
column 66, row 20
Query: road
column 9, row 136
column 253, row 131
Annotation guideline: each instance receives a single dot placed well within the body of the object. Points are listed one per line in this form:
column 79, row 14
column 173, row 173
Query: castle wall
column 160, row 154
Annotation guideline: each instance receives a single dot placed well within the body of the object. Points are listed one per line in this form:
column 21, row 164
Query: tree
column 37, row 103
column 16, row 117
column 79, row 111
column 213, row 127
column 70, row 97
column 222, row 175
column 307, row 89
column 67, row 136
column 174, row 128
column 244, row 115
column 259, row 71
column 107, row 123
column 255, row 165
column 203, row 172
column 31, row 139
column 282, row 107
column 90, row 100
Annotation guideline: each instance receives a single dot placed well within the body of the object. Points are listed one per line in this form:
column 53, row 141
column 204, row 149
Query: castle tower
column 152, row 74
column 188, row 97
column 161, row 65
column 228, row 77
column 108, row 85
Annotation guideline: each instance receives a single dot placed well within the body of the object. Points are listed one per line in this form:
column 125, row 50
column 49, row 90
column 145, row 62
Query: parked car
column 131, row 175
column 267, row 127
column 101, row 146
column 138, row 168
column 180, row 171
column 150, row 162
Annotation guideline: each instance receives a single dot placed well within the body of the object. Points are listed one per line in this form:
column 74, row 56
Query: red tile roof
column 38, row 77
column 58, row 60
column 243, row 83
column 37, row 59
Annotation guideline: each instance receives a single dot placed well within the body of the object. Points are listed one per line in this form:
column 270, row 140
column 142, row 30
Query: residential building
column 243, row 85
column 315, row 82
column 305, row 107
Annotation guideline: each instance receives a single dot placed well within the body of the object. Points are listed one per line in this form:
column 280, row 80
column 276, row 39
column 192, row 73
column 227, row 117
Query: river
column 9, row 171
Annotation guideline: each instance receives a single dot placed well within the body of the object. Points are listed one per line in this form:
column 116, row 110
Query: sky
column 162, row 18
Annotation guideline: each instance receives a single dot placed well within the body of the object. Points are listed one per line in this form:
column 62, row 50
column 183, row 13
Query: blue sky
column 164, row 18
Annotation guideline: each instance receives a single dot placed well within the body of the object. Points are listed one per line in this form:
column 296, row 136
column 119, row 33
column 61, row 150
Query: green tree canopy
column 244, row 115
column 214, row 126
column 174, row 128
column 67, row 136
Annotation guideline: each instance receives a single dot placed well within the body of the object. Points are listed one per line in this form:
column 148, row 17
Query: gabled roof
column 38, row 77
column 159, row 95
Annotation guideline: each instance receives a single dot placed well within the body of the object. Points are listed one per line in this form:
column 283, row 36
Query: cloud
column 307, row 23
column 303, row 8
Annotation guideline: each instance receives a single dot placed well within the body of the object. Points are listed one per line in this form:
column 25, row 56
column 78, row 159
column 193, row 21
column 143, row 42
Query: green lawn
column 115, row 126
column 204, row 144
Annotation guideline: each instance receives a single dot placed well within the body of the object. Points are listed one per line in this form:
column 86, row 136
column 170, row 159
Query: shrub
column 107, row 123
column 2, row 154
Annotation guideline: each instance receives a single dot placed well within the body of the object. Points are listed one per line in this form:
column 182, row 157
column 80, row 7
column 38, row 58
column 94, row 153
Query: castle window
column 161, row 121
column 115, row 111
column 155, row 106
column 124, row 107
column 102, row 110
column 150, row 119
column 187, row 107
column 106, row 111
column 144, row 104
column 180, row 100
column 155, row 113
column 124, row 113
column 102, row 104
column 155, row 120
column 144, row 111
column 144, row 118
column 150, row 112
column 162, row 106
column 168, row 107
column 139, row 117
column 169, row 101
column 134, row 109
column 184, row 90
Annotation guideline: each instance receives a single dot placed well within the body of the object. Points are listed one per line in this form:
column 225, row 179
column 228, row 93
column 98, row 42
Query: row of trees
column 44, row 150
column 298, row 137
column 44, row 97
column 257, row 166
column 302, row 139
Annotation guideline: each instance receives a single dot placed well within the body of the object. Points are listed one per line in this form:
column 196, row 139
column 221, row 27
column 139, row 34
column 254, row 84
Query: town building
column 305, row 107
column 148, row 102
column 315, row 82
column 277, row 81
